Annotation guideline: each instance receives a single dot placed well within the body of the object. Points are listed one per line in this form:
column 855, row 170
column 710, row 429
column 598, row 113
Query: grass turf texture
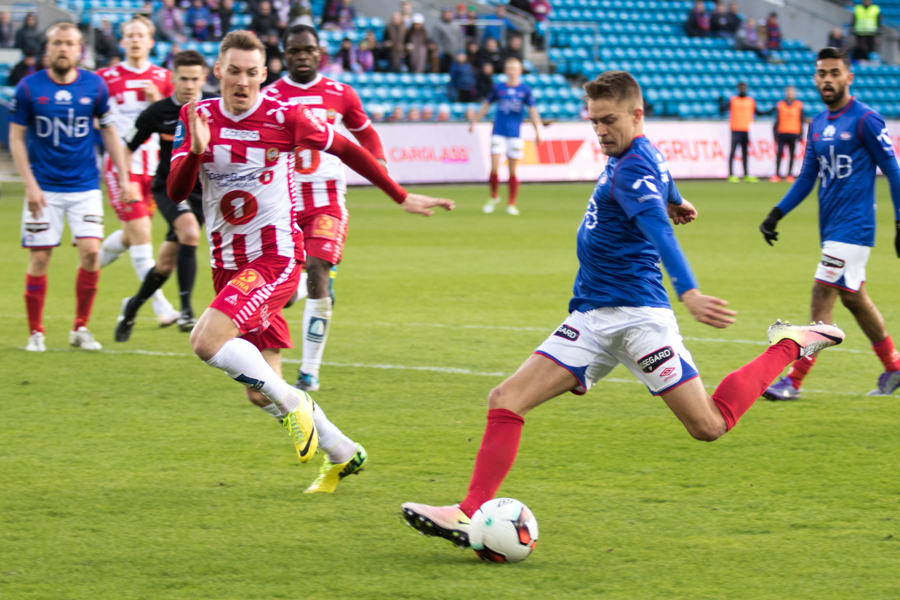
column 126, row 475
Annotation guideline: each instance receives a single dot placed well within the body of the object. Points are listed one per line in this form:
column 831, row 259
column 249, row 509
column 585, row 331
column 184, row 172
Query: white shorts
column 512, row 147
column 645, row 340
column 84, row 211
column 843, row 265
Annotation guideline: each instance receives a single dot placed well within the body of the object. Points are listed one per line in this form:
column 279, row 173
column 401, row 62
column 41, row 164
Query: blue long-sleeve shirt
column 843, row 149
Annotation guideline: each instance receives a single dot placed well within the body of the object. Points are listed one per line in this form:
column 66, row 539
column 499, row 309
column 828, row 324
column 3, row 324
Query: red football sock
column 495, row 184
column 740, row 389
column 35, row 292
column 889, row 356
column 85, row 291
column 513, row 189
column 495, row 458
column 801, row 369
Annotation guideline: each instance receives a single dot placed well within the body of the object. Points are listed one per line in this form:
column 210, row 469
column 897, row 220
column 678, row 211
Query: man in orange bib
column 742, row 108
column 788, row 130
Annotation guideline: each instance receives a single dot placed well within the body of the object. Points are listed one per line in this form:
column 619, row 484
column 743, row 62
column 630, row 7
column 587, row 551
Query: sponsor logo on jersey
column 85, row 100
column 646, row 180
column 36, row 227
column 43, row 99
column 179, row 135
column 306, row 100
column 655, row 359
column 317, row 328
column 331, row 115
column 830, row 261
column 603, row 178
column 244, row 135
column 846, row 135
column 828, row 132
column 232, row 300
column 271, row 154
column 137, row 83
column 63, row 97
column 96, row 219
column 324, row 226
column 247, row 280
column 566, row 332
column 313, row 119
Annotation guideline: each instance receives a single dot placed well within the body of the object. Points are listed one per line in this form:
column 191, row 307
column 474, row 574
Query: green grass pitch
column 139, row 472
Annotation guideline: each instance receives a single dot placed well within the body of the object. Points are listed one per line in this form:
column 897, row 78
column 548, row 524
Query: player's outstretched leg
column 343, row 456
column 112, row 248
column 316, row 323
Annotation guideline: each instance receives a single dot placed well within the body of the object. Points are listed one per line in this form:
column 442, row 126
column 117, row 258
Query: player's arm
column 878, row 142
column 358, row 123
column 483, row 110
column 19, row 117
column 679, row 210
column 535, row 117
column 370, row 140
column 112, row 142
column 190, row 143
column 805, row 183
column 141, row 131
column 644, row 205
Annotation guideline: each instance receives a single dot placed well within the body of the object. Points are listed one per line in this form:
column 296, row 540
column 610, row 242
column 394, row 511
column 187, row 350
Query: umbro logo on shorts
column 567, row 332
column 652, row 361
column 96, row 219
column 830, row 261
column 36, row 227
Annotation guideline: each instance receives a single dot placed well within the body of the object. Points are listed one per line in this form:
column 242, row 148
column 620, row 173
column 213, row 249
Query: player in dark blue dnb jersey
column 845, row 145
column 620, row 312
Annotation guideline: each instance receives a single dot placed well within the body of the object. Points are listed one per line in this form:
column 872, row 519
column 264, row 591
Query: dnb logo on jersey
column 247, row 280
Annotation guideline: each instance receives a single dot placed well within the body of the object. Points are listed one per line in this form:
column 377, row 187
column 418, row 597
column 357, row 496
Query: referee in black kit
column 179, row 251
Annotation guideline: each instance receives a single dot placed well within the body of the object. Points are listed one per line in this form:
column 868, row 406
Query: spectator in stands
column 25, row 67
column 428, row 113
column 301, row 13
column 490, row 52
column 484, row 82
column 416, row 43
column 513, row 49
column 365, row 57
column 460, row 16
column 169, row 61
column 773, row 32
column 469, row 28
column 329, row 12
column 462, row 79
column 271, row 42
column 200, row 30
column 7, row 36
column 501, row 27
column 197, row 12
column 376, row 113
column 214, row 26
column 719, row 22
column 748, row 39
column 406, row 10
column 396, row 115
column 274, row 70
column 264, row 19
column 346, row 16
column 540, row 10
column 433, row 62
column 381, row 56
column 698, row 21
column 836, row 39
column 29, row 37
column 169, row 23
column 346, row 57
column 146, row 10
column 472, row 50
column 413, row 115
column 105, row 42
column 393, row 41
column 865, row 25
column 443, row 113
column 448, row 37
column 734, row 18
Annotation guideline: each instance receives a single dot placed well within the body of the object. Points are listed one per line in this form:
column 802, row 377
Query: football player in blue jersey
column 844, row 146
column 51, row 138
column 512, row 99
column 620, row 312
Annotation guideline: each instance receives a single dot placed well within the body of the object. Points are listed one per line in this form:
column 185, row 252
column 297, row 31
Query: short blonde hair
column 241, row 40
column 64, row 26
column 142, row 20
column 618, row 86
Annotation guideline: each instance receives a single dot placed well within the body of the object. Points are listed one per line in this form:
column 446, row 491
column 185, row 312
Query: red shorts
column 324, row 235
column 140, row 191
column 254, row 296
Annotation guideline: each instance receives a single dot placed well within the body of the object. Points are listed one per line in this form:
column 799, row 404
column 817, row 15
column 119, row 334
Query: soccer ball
column 503, row 530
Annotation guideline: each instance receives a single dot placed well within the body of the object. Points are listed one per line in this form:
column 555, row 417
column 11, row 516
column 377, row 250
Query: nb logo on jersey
column 71, row 127
column 834, row 166
column 828, row 132
column 647, row 181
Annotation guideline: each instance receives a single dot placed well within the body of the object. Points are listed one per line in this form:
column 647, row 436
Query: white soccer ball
column 503, row 530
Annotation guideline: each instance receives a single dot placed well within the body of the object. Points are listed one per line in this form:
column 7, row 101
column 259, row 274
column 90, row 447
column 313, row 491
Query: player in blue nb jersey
column 620, row 312
column 51, row 138
column 512, row 98
column 845, row 144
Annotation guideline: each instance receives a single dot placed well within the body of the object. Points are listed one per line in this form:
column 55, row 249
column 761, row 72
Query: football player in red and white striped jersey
column 321, row 184
column 133, row 85
column 243, row 146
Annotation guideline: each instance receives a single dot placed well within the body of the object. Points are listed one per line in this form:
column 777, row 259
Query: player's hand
column 708, row 309
column 152, row 93
column 471, row 126
column 418, row 204
column 768, row 226
column 897, row 238
column 681, row 214
column 36, row 201
column 133, row 193
column 538, row 135
column 199, row 125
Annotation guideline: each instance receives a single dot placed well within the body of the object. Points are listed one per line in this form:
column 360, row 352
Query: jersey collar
column 843, row 110
column 125, row 66
column 242, row 116
column 303, row 86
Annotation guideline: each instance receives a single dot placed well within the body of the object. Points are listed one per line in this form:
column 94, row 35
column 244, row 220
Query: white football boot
column 82, row 338
column 36, row 343
column 512, row 210
column 491, row 205
column 163, row 309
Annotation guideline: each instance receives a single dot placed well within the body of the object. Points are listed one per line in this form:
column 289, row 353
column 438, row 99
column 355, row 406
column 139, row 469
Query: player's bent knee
column 500, row 397
column 707, row 432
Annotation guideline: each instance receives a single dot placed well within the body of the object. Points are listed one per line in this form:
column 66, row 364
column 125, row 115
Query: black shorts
column 172, row 210
column 788, row 139
column 740, row 138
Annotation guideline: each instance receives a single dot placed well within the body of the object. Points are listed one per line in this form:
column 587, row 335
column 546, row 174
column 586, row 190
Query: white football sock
column 112, row 248
column 339, row 447
column 302, row 288
column 142, row 259
column 244, row 363
column 273, row 410
column 316, row 322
